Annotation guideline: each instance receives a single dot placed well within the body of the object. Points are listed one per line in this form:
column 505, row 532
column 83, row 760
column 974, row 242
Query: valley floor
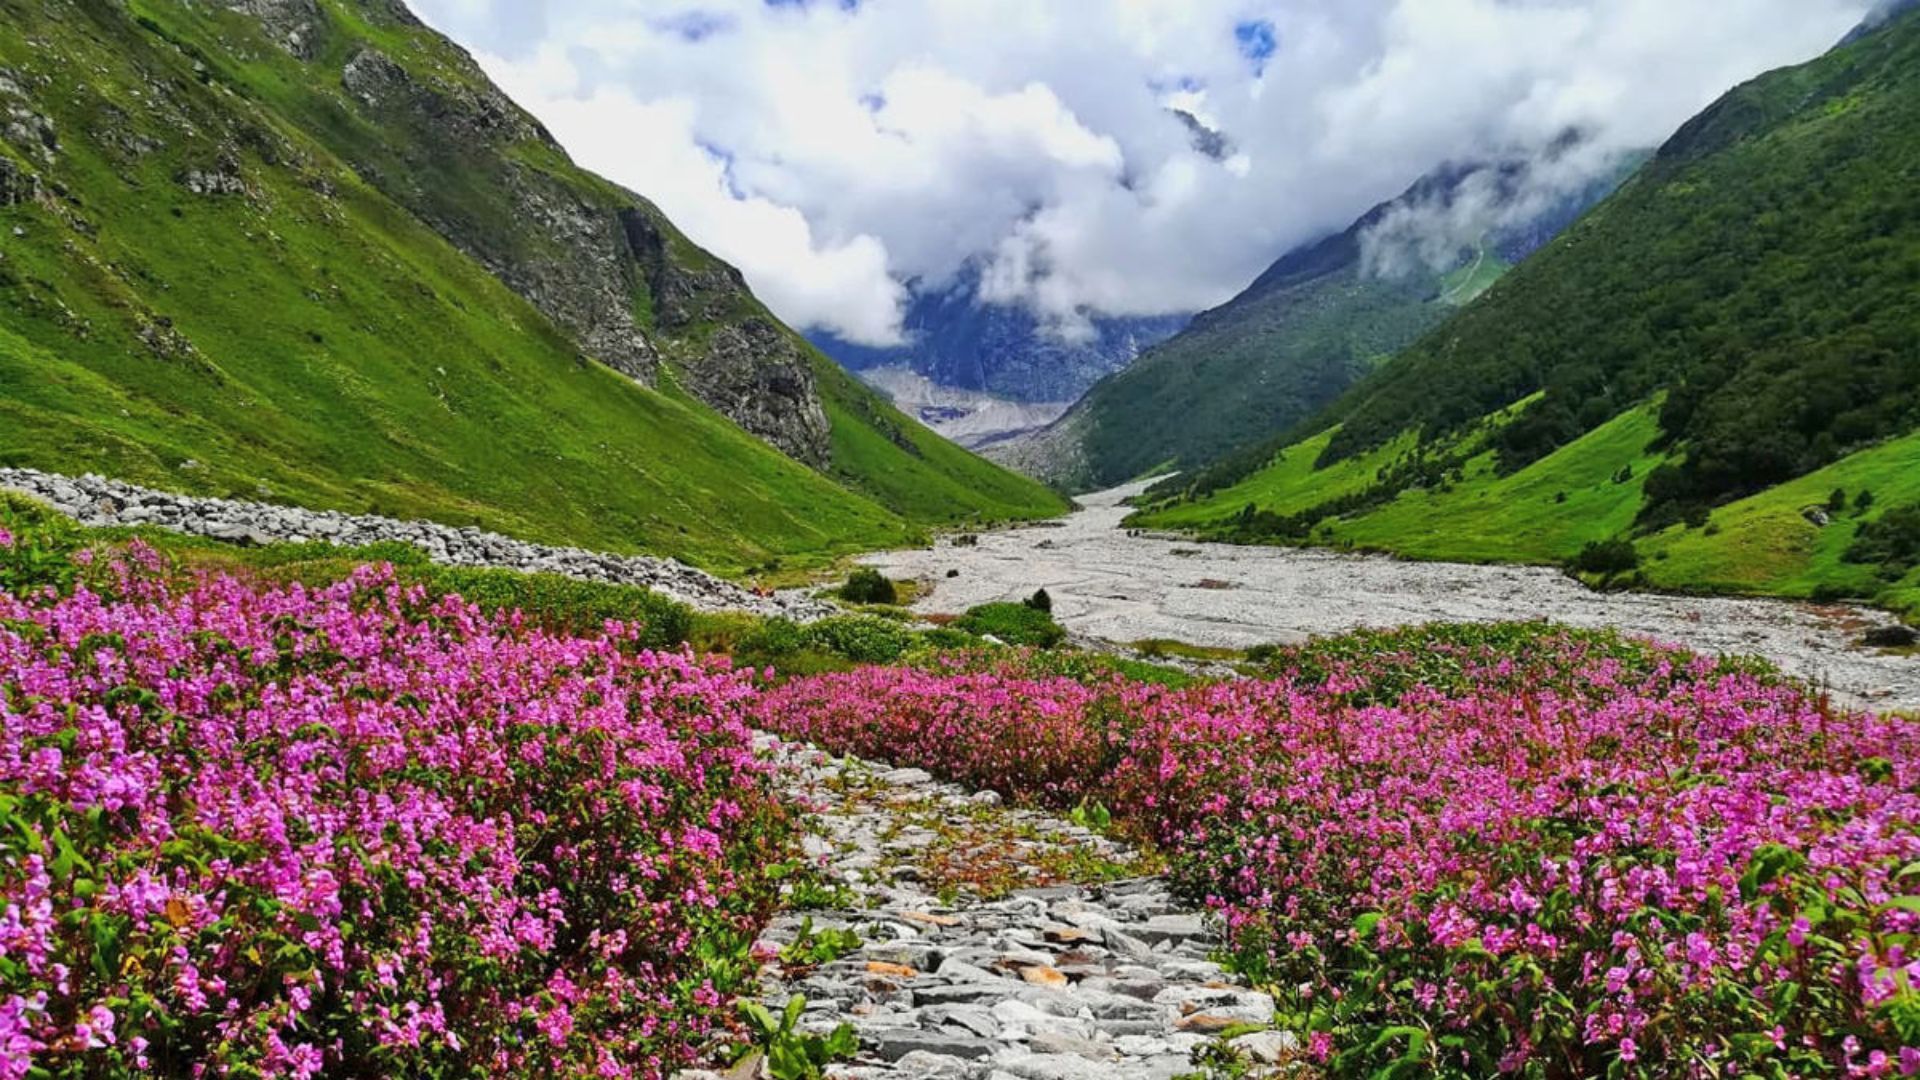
column 1126, row 587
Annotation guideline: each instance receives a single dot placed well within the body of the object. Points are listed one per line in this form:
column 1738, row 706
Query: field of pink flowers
column 351, row 831
column 1508, row 851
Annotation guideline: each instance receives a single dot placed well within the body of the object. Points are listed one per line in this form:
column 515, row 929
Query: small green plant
column 1216, row 1059
column 868, row 586
column 793, row 1054
column 1837, row 501
column 1091, row 814
column 811, row 892
column 811, row 947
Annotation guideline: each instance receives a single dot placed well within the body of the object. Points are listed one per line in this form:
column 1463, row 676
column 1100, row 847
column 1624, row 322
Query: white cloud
column 832, row 150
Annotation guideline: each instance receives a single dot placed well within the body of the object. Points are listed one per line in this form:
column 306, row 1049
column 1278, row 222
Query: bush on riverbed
column 1014, row 624
column 868, row 586
column 1607, row 558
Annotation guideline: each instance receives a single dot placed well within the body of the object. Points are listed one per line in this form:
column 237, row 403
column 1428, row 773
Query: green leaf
column 1902, row 903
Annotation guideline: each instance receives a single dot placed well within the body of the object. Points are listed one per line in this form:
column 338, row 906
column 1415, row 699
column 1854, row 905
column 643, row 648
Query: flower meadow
column 1484, row 851
column 354, row 831
column 361, row 829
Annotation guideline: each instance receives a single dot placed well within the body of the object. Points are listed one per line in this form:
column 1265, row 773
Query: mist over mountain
column 1317, row 320
column 958, row 337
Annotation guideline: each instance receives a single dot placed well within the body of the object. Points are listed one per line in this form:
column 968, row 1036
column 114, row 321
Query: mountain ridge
column 1304, row 330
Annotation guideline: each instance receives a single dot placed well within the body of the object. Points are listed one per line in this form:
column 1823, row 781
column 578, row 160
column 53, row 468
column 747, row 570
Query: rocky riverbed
column 983, row 954
column 1118, row 587
column 92, row 500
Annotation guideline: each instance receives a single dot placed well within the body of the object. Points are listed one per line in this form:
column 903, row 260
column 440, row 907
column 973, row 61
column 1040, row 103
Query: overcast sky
column 834, row 148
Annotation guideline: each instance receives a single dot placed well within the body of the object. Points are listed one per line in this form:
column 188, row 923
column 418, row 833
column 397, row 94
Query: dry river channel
column 1122, row 587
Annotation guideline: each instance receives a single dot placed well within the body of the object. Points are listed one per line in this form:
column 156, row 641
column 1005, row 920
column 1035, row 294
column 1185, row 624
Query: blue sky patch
column 694, row 25
column 1258, row 42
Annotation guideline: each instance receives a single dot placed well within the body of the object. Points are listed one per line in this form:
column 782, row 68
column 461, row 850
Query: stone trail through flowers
column 1051, row 981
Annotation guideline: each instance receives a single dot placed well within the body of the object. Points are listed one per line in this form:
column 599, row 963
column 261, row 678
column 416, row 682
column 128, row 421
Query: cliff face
column 416, row 118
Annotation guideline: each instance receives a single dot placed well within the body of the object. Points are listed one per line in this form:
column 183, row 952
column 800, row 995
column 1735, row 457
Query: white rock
column 1267, row 1047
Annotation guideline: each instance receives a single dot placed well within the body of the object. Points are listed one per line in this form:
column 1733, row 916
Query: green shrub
column 36, row 546
column 868, row 586
column 1893, row 541
column 863, row 639
column 1607, row 557
column 1015, row 624
column 563, row 603
column 946, row 637
column 775, row 637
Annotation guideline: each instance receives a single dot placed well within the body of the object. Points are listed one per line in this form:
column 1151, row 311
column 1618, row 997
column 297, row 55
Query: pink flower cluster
column 1561, row 862
column 355, row 832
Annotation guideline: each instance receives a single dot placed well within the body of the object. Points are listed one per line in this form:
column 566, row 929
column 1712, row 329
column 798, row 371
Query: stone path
column 977, row 961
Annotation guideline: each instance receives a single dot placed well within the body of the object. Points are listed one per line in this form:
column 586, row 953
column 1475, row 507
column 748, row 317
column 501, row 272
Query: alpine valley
column 471, row 607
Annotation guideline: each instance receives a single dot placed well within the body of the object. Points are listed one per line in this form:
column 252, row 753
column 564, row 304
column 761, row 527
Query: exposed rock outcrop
column 757, row 376
column 17, row 185
column 598, row 261
column 294, row 25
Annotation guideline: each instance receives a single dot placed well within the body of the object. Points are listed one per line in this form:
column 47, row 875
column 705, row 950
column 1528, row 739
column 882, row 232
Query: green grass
column 1520, row 517
column 332, row 350
column 1482, row 516
column 1160, row 648
column 1465, row 284
column 1766, row 544
column 906, row 467
column 1763, row 545
column 1287, row 486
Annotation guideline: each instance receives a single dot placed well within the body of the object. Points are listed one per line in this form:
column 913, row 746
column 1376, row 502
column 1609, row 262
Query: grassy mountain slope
column 202, row 289
column 1696, row 365
column 1310, row 327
